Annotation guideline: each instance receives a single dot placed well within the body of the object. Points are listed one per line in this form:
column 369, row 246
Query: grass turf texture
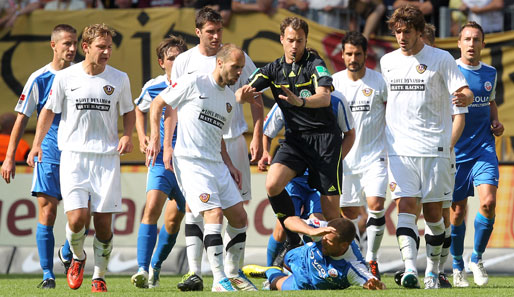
column 25, row 285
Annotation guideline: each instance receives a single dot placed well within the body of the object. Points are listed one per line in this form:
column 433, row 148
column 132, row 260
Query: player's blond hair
column 429, row 33
column 226, row 50
column 96, row 30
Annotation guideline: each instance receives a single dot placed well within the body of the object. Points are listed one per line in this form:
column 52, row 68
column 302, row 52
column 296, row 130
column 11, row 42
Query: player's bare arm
column 257, row 110
column 296, row 224
column 154, row 145
column 374, row 284
column 234, row 172
column 43, row 125
column 348, row 140
column 266, row 157
column 170, row 123
column 496, row 127
column 462, row 97
column 9, row 165
column 141, row 125
column 459, row 121
column 320, row 99
column 125, row 145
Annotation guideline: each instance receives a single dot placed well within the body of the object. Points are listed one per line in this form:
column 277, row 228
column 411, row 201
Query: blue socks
column 146, row 238
column 273, row 273
column 457, row 247
column 483, row 230
column 45, row 246
column 273, row 248
column 164, row 247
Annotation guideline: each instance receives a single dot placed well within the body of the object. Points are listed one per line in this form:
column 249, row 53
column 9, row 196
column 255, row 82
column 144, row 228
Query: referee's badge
column 421, row 68
column 229, row 107
column 305, row 93
column 392, row 186
column 204, row 197
column 367, row 92
column 108, row 89
column 488, row 86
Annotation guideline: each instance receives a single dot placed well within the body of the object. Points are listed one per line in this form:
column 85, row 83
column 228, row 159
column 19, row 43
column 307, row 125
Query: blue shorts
column 159, row 178
column 305, row 199
column 483, row 170
column 46, row 180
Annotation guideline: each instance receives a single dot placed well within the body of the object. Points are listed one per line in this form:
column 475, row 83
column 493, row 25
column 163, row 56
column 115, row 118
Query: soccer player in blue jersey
column 477, row 164
column 161, row 183
column 330, row 263
column 45, row 186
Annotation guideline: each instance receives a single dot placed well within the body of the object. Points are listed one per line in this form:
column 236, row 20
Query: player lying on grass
column 331, row 262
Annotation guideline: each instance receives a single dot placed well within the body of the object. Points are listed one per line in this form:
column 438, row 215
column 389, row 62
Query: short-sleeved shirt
column 308, row 73
column 366, row 98
column 204, row 112
column 418, row 112
column 90, row 105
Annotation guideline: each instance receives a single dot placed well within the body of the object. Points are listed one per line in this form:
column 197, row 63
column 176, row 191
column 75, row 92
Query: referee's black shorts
column 320, row 153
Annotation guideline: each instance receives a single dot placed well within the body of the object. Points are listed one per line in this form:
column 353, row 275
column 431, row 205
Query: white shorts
column 453, row 171
column 370, row 183
column 238, row 152
column 90, row 175
column 428, row 178
column 206, row 185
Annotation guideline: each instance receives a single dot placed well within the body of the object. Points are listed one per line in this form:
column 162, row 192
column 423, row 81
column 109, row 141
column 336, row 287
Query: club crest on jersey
column 332, row 272
column 421, row 68
column 108, row 89
column 305, row 93
column 204, row 197
column 22, row 98
column 392, row 186
column 229, row 107
column 367, row 92
column 488, row 86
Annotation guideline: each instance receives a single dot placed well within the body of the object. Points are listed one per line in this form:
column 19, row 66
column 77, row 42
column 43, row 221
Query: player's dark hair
column 356, row 39
column 429, row 33
column 407, row 15
column 345, row 229
column 474, row 25
column 169, row 42
column 296, row 23
column 225, row 51
column 62, row 28
column 205, row 15
column 96, row 30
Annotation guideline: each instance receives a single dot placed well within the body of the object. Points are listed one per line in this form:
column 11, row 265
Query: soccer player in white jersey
column 420, row 80
column 365, row 170
column 477, row 164
column 89, row 96
column 205, row 106
column 160, row 183
column 202, row 59
column 46, row 185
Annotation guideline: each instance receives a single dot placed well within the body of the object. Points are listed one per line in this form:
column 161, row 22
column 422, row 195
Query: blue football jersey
column 477, row 136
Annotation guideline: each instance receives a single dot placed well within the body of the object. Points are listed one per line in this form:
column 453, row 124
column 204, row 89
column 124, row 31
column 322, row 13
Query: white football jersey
column 192, row 61
column 418, row 112
column 366, row 98
column 90, row 106
column 204, row 113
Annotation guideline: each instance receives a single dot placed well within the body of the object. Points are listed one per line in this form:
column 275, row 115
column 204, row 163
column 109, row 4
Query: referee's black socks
column 283, row 207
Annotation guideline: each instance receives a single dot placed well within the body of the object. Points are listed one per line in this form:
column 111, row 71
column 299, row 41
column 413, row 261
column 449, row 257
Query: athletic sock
column 457, row 247
column 194, row 242
column 273, row 273
column 45, row 246
column 357, row 233
column 76, row 241
column 165, row 244
column 483, row 230
column 408, row 240
column 273, row 247
column 434, row 238
column 66, row 253
column 235, row 242
column 102, row 251
column 283, row 204
column 146, row 238
column 214, row 248
column 375, row 227
column 445, row 251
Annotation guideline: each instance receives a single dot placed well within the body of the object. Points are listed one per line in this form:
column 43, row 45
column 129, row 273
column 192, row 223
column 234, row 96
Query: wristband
column 303, row 102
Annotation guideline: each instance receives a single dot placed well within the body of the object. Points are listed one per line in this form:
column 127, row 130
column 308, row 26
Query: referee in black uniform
column 301, row 86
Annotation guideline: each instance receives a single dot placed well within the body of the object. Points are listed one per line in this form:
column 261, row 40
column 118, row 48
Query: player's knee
column 172, row 227
column 273, row 188
column 47, row 215
column 151, row 215
column 488, row 204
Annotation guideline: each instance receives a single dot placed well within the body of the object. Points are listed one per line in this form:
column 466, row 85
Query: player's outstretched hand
column 290, row 97
column 167, row 155
column 8, row 170
column 125, row 145
column 461, row 100
column 374, row 284
column 34, row 152
column 152, row 150
column 246, row 94
column 497, row 128
column 264, row 161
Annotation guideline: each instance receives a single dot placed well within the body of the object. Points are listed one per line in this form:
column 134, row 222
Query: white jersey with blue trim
column 33, row 98
column 193, row 62
column 418, row 111
column 366, row 98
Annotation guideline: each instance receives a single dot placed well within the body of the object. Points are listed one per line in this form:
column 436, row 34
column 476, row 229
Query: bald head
column 230, row 61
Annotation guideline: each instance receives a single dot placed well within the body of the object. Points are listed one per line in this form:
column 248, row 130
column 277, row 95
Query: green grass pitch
column 25, row 285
